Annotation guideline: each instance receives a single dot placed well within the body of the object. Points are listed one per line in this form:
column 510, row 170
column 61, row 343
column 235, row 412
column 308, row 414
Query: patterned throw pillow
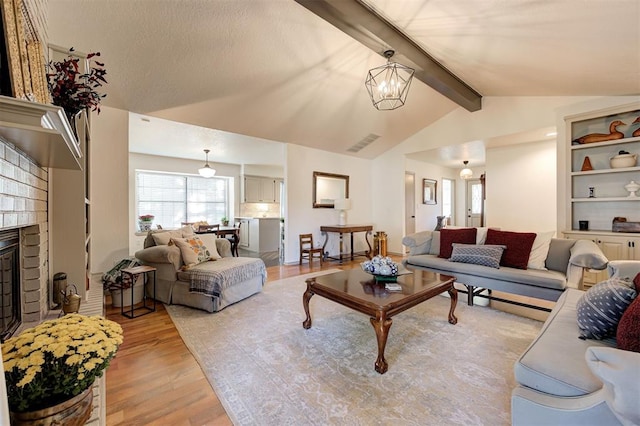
column 628, row 333
column 601, row 307
column 478, row 255
column 518, row 244
column 450, row 236
column 193, row 251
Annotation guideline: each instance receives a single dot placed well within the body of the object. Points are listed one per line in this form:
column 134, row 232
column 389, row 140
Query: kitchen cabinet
column 259, row 189
column 263, row 234
column 244, row 233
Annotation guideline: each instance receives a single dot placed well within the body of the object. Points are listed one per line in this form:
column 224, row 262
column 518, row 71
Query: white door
column 409, row 204
column 475, row 203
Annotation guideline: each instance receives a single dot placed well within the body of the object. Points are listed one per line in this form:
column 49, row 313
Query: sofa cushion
column 559, row 254
column 163, row 238
column 554, row 363
column 484, row 255
column 210, row 240
column 540, row 250
column 193, row 251
column 628, row 332
column 518, row 246
column 450, row 236
column 435, row 243
column 539, row 278
column 599, row 309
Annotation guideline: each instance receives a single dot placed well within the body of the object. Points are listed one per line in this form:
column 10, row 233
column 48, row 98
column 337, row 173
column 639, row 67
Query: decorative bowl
column 380, row 266
column 623, row 160
column 632, row 187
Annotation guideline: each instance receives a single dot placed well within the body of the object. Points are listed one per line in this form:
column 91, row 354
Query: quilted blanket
column 212, row 278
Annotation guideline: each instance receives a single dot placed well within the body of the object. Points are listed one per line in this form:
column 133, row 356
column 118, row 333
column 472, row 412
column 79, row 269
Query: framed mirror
column 328, row 187
column 429, row 187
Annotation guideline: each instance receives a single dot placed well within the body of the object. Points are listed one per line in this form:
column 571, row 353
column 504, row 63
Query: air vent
column 364, row 142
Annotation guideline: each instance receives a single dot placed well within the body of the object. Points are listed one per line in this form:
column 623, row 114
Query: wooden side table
column 133, row 274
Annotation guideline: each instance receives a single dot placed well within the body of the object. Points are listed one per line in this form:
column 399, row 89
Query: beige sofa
column 240, row 277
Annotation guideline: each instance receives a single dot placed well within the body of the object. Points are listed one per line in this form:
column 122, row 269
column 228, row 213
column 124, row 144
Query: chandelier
column 466, row 173
column 388, row 85
column 206, row 170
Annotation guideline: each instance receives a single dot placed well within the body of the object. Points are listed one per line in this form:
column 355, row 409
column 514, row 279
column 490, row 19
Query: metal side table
column 132, row 311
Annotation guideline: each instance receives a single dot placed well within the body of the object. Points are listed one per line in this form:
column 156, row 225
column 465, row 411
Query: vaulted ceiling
column 271, row 69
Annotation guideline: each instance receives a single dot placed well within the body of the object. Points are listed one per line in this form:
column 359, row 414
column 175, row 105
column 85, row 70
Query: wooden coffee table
column 359, row 291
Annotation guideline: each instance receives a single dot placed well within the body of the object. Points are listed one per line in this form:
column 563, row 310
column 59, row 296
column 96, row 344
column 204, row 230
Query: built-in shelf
column 606, row 143
column 606, row 171
column 41, row 131
column 603, row 199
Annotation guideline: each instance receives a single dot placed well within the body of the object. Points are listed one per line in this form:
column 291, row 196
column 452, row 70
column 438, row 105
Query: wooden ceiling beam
column 365, row 25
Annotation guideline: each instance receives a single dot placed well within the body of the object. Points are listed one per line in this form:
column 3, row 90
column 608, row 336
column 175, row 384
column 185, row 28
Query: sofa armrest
column 418, row 243
column 223, row 246
column 618, row 370
column 162, row 254
column 587, row 254
column 624, row 268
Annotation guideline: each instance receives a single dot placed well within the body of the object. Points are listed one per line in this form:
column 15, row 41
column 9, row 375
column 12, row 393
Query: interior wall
column 108, row 184
column 426, row 214
column 521, row 187
column 302, row 218
column 499, row 116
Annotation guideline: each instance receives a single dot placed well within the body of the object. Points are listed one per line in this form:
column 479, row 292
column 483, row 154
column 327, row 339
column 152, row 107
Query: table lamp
column 342, row 204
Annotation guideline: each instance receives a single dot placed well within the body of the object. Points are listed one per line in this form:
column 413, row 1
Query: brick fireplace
column 23, row 207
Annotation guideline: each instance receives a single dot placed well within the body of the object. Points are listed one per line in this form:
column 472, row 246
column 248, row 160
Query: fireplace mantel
column 41, row 131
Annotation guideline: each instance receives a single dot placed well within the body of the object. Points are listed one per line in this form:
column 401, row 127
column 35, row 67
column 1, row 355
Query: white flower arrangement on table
column 380, row 265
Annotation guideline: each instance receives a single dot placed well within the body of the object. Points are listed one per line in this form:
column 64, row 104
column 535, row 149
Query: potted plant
column 225, row 221
column 50, row 369
column 74, row 90
column 145, row 221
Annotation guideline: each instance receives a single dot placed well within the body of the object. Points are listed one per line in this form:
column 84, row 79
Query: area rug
column 268, row 370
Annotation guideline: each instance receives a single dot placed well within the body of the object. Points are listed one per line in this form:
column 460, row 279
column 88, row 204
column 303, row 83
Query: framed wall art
column 429, row 187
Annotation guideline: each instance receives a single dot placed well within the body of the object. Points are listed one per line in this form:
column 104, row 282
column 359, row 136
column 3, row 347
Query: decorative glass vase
column 72, row 412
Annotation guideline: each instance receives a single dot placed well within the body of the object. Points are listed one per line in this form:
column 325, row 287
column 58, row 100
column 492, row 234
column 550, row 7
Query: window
column 448, row 198
column 174, row 198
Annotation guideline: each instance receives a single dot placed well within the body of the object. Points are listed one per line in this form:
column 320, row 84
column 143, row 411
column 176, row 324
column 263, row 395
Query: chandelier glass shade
column 206, row 170
column 388, row 85
column 466, row 173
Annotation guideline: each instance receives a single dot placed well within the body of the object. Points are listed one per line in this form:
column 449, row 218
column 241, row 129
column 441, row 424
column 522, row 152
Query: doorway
column 409, row 204
column 475, row 203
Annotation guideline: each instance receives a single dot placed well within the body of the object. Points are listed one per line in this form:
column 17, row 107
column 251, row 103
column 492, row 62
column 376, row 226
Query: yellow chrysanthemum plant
column 58, row 359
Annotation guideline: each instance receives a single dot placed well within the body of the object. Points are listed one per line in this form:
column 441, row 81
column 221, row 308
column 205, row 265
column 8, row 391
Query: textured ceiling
column 271, row 69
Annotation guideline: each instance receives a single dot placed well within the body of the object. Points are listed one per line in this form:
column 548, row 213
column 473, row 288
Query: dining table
column 223, row 232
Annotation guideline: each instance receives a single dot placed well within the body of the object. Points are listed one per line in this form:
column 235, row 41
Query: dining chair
column 307, row 250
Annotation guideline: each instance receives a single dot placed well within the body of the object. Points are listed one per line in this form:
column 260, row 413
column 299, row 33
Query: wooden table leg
column 305, row 303
column 453, row 293
column 381, row 324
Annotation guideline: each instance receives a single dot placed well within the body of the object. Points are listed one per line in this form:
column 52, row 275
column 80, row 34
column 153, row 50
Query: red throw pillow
column 518, row 246
column 628, row 333
column 450, row 236
column 636, row 282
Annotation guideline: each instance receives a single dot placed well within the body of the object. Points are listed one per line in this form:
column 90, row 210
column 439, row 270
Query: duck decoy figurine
column 637, row 131
column 601, row 137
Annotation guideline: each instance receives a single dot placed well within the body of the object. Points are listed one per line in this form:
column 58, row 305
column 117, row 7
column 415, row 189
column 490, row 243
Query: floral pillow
column 193, row 251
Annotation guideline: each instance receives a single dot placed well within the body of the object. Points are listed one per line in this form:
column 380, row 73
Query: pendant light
column 206, row 170
column 388, row 85
column 466, row 173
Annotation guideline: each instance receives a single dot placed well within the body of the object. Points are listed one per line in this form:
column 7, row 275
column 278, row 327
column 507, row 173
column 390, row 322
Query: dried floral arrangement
column 74, row 90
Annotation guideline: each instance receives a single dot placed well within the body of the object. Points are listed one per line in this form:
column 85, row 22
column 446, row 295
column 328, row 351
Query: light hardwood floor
column 154, row 379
